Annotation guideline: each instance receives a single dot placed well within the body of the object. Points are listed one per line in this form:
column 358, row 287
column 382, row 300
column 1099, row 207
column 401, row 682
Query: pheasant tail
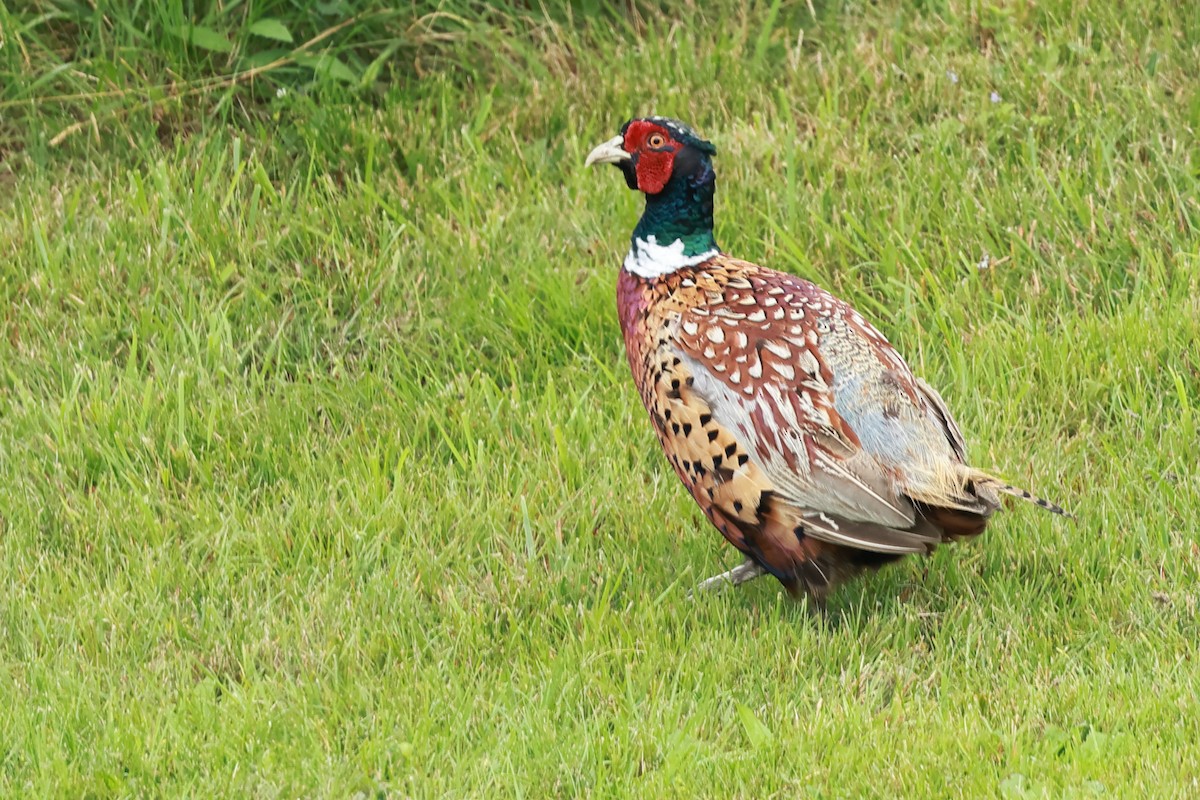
column 1025, row 494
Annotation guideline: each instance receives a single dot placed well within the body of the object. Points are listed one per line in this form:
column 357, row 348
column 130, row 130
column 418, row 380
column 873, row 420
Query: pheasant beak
column 610, row 152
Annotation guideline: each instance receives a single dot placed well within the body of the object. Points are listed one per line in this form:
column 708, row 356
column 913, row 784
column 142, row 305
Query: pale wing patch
column 806, row 477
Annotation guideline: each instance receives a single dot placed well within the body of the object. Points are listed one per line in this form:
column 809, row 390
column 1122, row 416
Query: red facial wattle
column 654, row 152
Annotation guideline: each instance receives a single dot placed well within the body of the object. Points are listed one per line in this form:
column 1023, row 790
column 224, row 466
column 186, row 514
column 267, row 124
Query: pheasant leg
column 742, row 573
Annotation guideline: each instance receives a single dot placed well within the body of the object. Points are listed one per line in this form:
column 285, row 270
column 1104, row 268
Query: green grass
column 324, row 474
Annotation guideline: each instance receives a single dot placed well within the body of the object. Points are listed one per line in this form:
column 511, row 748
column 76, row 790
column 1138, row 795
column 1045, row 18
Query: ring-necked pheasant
column 800, row 432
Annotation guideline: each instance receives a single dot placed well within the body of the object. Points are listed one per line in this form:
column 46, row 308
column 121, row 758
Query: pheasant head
column 666, row 161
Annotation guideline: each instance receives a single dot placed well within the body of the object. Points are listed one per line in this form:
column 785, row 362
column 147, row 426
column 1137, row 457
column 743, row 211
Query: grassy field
column 324, row 475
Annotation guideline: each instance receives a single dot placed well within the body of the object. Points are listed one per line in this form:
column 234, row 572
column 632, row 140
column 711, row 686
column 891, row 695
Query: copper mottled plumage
column 799, row 430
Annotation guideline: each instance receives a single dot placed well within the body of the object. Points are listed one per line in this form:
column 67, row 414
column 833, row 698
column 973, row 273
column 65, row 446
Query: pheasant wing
column 764, row 352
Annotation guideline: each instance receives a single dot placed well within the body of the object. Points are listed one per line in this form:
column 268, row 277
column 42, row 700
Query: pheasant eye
column 656, row 140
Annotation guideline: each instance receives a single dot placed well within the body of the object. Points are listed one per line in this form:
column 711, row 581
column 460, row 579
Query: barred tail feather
column 986, row 483
column 963, row 488
column 1025, row 494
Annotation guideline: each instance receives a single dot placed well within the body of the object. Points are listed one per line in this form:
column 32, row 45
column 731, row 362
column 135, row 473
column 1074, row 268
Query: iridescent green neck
column 682, row 211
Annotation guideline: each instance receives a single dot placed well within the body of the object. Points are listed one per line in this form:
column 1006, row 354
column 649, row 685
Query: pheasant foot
column 742, row 573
